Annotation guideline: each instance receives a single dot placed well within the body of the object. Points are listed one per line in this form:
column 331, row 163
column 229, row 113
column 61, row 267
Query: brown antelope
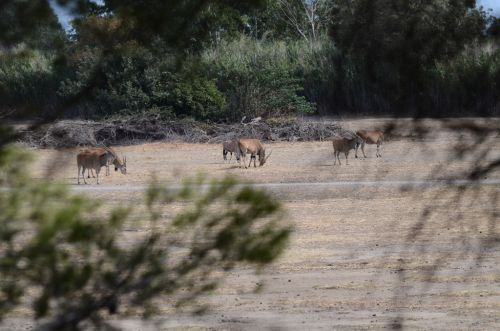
column 110, row 158
column 344, row 145
column 230, row 147
column 370, row 137
column 254, row 148
column 93, row 159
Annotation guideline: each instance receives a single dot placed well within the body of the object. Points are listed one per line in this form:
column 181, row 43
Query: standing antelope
column 94, row 159
column 110, row 158
column 230, row 147
column 370, row 137
column 254, row 148
column 344, row 145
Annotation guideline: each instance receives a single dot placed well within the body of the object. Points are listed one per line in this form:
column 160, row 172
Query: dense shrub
column 464, row 85
column 235, row 79
column 28, row 81
column 245, row 77
column 138, row 81
column 468, row 84
column 257, row 78
column 394, row 50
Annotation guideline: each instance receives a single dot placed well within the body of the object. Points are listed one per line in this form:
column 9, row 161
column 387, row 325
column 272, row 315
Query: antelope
column 100, row 150
column 254, row 148
column 94, row 159
column 370, row 137
column 344, row 145
column 230, row 147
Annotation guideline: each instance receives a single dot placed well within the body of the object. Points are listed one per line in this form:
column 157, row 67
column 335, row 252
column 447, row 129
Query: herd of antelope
column 93, row 159
column 242, row 147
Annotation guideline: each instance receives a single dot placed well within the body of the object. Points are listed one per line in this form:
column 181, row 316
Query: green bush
column 468, row 84
column 196, row 97
column 234, row 79
column 28, row 81
column 257, row 79
column 137, row 81
column 245, row 77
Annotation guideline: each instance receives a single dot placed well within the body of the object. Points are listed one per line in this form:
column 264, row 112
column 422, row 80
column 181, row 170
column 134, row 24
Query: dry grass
column 362, row 256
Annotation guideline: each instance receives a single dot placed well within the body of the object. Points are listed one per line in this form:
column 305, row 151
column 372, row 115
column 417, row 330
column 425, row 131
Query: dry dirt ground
column 373, row 248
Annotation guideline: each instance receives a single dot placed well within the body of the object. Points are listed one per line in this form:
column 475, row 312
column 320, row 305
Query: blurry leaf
column 60, row 253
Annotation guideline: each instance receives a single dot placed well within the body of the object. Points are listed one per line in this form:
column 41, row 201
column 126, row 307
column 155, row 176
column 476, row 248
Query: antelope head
column 120, row 165
column 263, row 158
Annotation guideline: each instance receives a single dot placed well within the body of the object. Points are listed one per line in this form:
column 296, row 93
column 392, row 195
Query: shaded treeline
column 280, row 57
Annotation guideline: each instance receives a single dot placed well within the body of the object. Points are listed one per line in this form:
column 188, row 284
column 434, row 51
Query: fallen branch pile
column 71, row 133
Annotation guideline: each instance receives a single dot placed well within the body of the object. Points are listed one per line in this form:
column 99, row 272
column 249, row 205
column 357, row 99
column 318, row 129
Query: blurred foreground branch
column 74, row 266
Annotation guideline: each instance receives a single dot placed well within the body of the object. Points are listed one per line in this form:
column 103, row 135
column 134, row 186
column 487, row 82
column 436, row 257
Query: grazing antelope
column 119, row 164
column 111, row 155
column 370, row 137
column 230, row 147
column 344, row 145
column 254, row 148
column 92, row 159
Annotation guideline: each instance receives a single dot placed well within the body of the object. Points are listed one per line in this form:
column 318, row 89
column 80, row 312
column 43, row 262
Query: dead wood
column 71, row 133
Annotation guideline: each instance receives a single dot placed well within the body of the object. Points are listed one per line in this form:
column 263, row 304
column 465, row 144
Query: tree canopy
column 129, row 57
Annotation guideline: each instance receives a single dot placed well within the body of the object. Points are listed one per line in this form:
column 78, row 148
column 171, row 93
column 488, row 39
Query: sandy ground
column 362, row 256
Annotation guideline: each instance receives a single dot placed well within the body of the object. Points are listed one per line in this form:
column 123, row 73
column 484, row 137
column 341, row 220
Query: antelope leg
column 83, row 175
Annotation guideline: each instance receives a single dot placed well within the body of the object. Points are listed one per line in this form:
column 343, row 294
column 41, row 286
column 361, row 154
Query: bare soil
column 364, row 256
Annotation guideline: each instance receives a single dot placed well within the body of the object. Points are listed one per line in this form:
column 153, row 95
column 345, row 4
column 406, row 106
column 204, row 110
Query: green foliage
column 179, row 26
column 258, row 79
column 197, row 97
column 465, row 84
column 232, row 80
column 27, row 79
column 29, row 22
column 222, row 60
column 59, row 253
column 469, row 82
column 494, row 28
column 394, row 43
column 183, row 25
column 409, row 34
column 135, row 80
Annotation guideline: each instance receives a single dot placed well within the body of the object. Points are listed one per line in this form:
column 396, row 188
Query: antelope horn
column 271, row 152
